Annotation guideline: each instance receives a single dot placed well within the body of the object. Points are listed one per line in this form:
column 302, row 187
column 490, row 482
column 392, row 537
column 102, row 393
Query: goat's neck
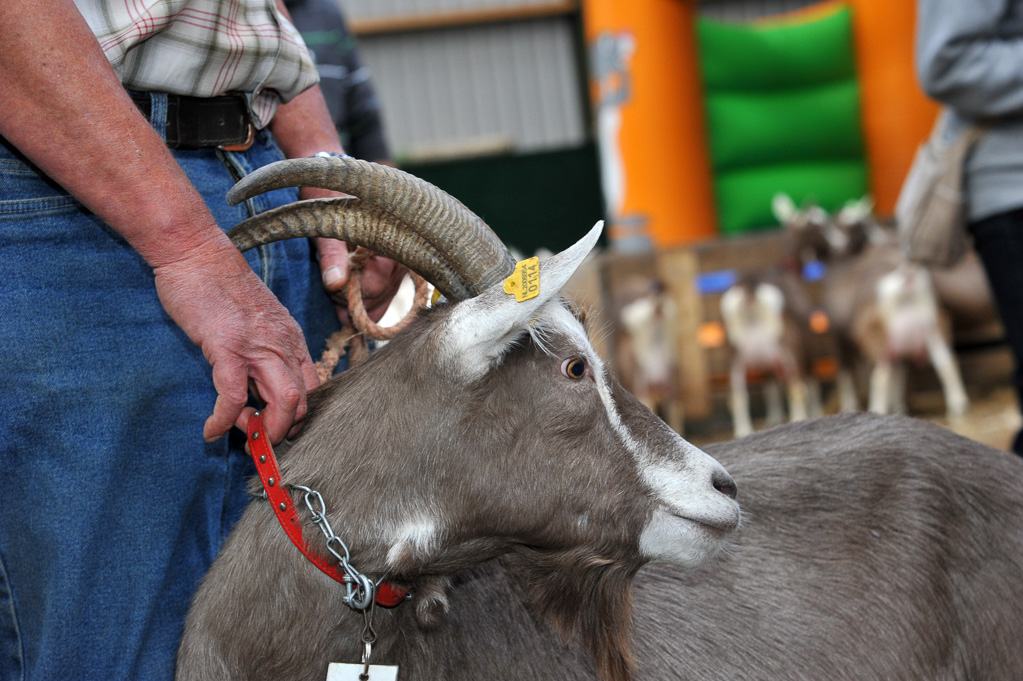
column 340, row 631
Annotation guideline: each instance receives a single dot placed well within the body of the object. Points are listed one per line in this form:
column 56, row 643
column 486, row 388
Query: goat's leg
column 775, row 408
column 880, row 386
column 798, row 400
column 796, row 388
column 675, row 414
column 847, row 399
column 947, row 369
column 814, row 403
column 897, row 390
column 741, row 421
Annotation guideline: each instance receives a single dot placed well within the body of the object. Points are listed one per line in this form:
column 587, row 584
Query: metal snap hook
column 360, row 591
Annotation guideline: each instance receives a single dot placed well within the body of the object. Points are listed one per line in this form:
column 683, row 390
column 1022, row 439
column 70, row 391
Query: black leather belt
column 200, row 122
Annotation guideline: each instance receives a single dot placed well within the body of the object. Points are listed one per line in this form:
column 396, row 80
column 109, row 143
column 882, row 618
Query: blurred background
column 677, row 122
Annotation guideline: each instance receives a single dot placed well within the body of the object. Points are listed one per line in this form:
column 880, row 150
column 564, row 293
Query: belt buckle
column 244, row 146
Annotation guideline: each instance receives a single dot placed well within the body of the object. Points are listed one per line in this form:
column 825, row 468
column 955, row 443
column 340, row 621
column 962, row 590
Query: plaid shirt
column 204, row 48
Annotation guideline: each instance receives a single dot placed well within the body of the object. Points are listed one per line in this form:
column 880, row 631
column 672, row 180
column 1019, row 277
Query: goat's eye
column 573, row 367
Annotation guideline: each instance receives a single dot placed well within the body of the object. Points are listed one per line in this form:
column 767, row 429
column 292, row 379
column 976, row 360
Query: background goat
column 766, row 317
column 647, row 353
column 881, row 307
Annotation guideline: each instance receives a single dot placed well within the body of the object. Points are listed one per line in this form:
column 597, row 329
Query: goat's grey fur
column 873, row 548
column 522, row 499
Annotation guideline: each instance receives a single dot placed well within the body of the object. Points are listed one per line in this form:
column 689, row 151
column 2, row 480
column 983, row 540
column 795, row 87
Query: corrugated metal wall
column 486, row 86
column 496, row 86
column 483, row 85
column 363, row 9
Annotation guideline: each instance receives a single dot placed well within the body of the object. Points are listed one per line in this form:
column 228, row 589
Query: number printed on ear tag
column 345, row 671
column 524, row 282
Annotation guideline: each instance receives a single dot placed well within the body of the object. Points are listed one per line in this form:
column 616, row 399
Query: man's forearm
column 303, row 126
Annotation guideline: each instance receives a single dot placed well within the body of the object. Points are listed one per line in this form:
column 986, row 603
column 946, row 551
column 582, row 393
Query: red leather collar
column 387, row 595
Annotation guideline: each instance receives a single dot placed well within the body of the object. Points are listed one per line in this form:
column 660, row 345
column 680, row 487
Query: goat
column 647, row 358
column 507, row 435
column 521, row 487
column 881, row 307
column 766, row 317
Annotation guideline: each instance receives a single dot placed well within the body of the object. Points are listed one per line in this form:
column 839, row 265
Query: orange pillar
column 897, row 115
column 648, row 111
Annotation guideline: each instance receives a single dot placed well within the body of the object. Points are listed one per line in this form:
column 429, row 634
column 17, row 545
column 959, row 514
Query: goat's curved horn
column 359, row 223
column 460, row 238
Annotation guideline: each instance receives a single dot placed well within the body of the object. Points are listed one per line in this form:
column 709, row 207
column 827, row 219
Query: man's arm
column 303, row 127
column 962, row 61
column 64, row 108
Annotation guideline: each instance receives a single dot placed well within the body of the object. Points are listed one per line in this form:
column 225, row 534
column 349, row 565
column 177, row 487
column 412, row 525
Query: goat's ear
column 783, row 207
column 481, row 329
column 817, row 215
column 856, row 211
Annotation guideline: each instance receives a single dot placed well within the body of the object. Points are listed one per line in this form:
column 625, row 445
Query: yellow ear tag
column 524, row 282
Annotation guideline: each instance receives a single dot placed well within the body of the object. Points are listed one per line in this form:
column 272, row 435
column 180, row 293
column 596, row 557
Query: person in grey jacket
column 969, row 57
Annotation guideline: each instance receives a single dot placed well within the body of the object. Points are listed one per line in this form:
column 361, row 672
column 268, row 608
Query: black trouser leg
column 999, row 242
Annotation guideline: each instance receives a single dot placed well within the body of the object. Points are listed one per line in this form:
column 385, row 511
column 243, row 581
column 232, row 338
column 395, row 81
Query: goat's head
column 491, row 425
column 810, row 233
column 805, row 231
column 857, row 221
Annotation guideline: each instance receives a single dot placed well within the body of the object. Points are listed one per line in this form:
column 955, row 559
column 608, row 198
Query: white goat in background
column 648, row 358
column 766, row 316
column 881, row 307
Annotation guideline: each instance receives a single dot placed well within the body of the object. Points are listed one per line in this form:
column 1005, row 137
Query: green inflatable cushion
column 769, row 128
column 748, row 193
column 778, row 55
column 783, row 115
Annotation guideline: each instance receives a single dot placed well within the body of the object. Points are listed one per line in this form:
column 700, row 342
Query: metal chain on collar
column 359, row 589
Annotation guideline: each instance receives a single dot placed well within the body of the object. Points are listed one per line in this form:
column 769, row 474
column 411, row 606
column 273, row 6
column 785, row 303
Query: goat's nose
column 723, row 483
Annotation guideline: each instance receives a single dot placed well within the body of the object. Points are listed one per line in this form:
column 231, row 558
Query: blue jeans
column 112, row 505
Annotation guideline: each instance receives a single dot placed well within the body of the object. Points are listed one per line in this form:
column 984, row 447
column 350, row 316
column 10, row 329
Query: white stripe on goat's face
column 693, row 494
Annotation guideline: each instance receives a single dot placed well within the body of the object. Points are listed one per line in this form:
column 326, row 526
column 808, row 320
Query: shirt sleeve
column 968, row 59
column 363, row 120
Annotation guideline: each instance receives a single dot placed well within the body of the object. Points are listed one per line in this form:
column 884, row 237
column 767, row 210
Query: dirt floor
column 993, row 417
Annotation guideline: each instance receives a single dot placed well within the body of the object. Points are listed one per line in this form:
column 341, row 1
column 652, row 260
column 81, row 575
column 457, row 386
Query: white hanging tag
column 352, row 671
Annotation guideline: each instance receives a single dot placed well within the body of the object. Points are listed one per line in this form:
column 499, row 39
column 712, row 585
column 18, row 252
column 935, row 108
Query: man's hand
column 246, row 335
column 381, row 278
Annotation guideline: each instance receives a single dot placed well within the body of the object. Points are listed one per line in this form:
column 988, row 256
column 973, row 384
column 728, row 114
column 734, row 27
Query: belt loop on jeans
column 198, row 122
column 158, row 113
